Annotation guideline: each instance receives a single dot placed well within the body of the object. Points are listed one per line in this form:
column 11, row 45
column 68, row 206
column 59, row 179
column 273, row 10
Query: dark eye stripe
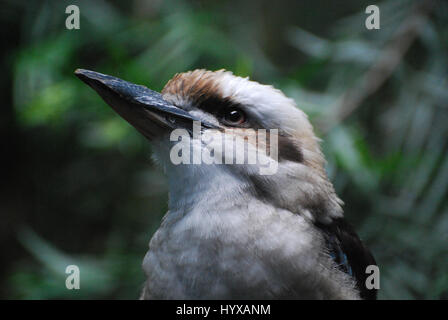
column 215, row 105
column 220, row 107
column 287, row 150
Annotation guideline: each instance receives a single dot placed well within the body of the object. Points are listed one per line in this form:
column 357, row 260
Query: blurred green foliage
column 81, row 188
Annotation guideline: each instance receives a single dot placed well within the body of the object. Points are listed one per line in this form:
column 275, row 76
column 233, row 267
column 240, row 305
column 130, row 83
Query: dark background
column 78, row 184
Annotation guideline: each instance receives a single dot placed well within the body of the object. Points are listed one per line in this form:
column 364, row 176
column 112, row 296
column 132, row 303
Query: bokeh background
column 78, row 184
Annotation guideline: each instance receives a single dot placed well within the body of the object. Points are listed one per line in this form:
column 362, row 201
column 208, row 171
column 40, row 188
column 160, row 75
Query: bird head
column 200, row 113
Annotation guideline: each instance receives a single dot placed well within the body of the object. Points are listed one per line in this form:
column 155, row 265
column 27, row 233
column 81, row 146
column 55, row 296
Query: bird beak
column 143, row 108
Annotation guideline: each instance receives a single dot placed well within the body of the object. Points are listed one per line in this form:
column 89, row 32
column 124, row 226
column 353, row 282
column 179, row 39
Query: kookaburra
column 231, row 232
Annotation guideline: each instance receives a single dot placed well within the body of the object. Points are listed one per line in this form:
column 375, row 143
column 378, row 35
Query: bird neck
column 297, row 187
column 192, row 186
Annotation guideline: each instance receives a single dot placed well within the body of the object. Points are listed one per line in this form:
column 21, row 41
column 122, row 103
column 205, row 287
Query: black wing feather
column 349, row 252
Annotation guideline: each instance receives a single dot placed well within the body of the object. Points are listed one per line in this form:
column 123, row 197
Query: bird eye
column 234, row 116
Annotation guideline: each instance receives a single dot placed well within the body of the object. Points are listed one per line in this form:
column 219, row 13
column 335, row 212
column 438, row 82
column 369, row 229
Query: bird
column 231, row 232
